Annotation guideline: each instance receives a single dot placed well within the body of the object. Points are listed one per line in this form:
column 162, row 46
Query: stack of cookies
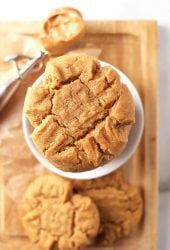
column 62, row 214
column 81, row 114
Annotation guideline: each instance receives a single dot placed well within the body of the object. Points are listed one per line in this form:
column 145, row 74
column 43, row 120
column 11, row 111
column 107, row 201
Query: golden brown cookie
column 53, row 216
column 62, row 29
column 82, row 114
column 120, row 205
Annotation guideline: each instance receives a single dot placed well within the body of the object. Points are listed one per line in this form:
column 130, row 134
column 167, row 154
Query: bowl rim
column 114, row 164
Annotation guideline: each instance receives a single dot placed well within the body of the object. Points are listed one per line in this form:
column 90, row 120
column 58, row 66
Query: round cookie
column 82, row 114
column 120, row 205
column 54, row 217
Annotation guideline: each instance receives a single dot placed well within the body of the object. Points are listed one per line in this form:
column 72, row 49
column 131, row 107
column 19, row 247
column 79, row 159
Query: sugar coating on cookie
column 82, row 114
column 54, row 216
column 120, row 205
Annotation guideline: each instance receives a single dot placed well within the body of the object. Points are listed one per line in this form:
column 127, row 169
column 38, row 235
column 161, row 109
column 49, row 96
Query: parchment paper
column 15, row 157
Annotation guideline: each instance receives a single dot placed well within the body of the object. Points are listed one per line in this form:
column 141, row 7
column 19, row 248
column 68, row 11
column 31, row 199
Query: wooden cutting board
column 132, row 47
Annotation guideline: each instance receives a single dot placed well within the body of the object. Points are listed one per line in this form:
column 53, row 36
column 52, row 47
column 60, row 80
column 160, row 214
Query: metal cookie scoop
column 8, row 89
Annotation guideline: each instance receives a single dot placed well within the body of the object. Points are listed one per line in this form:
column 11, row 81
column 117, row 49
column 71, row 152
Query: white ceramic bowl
column 134, row 138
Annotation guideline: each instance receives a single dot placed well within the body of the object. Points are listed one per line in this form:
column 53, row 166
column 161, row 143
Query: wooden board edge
column 153, row 134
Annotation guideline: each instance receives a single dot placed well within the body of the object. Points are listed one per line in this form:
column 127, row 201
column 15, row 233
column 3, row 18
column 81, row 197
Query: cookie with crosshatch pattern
column 82, row 114
column 54, row 216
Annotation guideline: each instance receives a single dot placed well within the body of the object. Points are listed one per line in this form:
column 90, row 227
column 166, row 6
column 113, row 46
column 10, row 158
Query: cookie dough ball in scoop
column 63, row 28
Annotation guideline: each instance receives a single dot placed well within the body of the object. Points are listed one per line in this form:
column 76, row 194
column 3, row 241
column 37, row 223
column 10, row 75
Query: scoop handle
column 9, row 88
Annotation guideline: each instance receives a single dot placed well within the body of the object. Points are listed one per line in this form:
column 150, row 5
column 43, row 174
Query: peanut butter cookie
column 53, row 216
column 82, row 114
column 120, row 205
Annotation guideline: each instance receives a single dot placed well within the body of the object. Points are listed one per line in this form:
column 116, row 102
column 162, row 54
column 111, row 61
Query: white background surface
column 122, row 9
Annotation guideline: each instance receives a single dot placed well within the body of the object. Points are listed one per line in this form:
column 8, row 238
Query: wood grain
column 132, row 47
